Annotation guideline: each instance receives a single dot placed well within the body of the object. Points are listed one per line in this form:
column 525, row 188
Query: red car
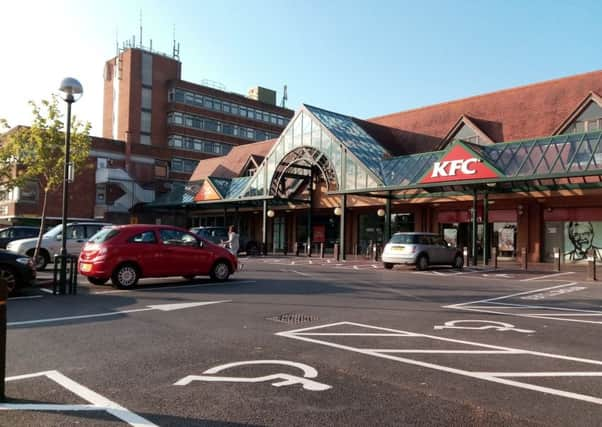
column 126, row 253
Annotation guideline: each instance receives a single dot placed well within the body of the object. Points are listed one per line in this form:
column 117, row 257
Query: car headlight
column 24, row 261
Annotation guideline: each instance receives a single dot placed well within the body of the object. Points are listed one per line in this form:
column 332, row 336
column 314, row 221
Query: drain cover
column 293, row 318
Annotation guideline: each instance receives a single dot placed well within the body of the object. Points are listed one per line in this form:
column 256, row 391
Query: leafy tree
column 37, row 153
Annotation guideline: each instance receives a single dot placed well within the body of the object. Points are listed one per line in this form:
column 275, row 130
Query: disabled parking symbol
column 280, row 379
column 481, row 325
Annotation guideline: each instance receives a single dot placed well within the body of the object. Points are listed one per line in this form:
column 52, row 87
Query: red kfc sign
column 459, row 164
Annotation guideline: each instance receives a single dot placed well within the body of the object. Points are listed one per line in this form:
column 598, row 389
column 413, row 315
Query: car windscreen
column 404, row 238
column 103, row 235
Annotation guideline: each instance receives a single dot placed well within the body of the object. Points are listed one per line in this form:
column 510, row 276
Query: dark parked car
column 17, row 270
column 218, row 234
column 8, row 234
column 127, row 253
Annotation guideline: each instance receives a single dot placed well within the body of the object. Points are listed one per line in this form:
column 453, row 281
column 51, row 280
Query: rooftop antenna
column 284, row 97
column 140, row 27
column 116, row 40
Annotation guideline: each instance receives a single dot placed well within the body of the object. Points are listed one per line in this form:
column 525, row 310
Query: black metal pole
column 63, row 274
column 342, row 226
column 485, row 229
column 3, row 299
column 309, row 211
column 387, row 218
column 474, row 228
column 264, row 228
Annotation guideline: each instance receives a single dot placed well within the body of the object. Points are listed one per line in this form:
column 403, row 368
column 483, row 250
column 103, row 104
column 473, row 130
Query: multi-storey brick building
column 156, row 127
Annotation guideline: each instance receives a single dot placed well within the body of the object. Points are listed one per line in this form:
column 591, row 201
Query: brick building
column 156, row 127
column 518, row 169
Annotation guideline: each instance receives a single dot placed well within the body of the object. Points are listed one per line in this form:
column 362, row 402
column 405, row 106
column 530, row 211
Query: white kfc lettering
column 450, row 168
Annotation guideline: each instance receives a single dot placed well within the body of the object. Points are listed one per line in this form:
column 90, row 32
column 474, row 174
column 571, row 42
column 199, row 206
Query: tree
column 37, row 153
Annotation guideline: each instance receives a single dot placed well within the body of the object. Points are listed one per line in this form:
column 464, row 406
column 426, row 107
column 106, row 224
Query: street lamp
column 71, row 90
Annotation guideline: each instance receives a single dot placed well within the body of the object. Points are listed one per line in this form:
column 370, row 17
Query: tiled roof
column 513, row 114
column 230, row 165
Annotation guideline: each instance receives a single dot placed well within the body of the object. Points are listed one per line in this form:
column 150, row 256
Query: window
column 145, row 237
column 147, row 69
column 146, row 98
column 76, row 232
column 92, row 229
column 145, row 139
column 177, row 238
column 29, row 192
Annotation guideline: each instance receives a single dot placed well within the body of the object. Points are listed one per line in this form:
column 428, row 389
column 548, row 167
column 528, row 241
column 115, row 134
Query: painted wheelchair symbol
column 482, row 325
column 280, row 379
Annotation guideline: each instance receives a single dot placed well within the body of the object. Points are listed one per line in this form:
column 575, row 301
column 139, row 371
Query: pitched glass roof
column 356, row 139
column 563, row 155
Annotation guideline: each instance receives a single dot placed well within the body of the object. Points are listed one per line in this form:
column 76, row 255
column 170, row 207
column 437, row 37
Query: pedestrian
column 233, row 242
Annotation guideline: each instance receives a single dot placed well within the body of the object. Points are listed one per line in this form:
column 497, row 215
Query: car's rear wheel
column 220, row 271
column 8, row 276
column 125, row 276
column 42, row 259
column 97, row 280
column 458, row 262
column 388, row 265
column 422, row 263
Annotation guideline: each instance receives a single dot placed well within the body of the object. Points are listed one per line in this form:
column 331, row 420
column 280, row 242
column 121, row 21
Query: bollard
column 309, row 250
column 321, row 249
column 591, row 265
column 335, row 251
column 494, row 257
column 465, row 255
column 297, row 248
column 556, row 259
column 523, row 258
column 285, row 249
column 3, row 300
column 374, row 253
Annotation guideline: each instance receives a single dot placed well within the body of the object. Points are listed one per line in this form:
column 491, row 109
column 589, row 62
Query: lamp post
column 71, row 90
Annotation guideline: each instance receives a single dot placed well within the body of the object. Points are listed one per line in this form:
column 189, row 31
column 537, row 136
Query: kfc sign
column 450, row 167
column 459, row 164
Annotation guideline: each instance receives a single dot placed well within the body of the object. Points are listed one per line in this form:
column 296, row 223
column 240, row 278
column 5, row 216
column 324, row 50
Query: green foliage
column 39, row 150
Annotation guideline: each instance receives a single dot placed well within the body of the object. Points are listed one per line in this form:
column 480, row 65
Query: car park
column 421, row 250
column 77, row 234
column 16, row 270
column 16, row 232
column 127, row 253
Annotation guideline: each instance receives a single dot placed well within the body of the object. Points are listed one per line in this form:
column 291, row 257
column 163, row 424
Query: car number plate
column 397, row 249
column 86, row 267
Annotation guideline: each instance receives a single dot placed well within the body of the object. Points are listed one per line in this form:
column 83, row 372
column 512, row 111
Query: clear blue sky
column 359, row 58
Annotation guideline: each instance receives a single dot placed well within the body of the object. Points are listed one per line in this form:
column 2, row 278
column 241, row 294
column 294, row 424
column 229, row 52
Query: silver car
column 422, row 250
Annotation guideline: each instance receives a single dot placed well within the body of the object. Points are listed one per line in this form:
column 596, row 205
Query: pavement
column 289, row 342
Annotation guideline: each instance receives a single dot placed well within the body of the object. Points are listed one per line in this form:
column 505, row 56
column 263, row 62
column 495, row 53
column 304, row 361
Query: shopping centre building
column 511, row 170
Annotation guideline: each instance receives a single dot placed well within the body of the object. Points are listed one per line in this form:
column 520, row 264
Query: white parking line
column 97, row 402
column 548, row 276
column 496, row 306
column 30, row 297
column 495, row 377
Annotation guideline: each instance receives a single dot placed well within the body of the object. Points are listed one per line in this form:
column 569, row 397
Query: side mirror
column 59, row 237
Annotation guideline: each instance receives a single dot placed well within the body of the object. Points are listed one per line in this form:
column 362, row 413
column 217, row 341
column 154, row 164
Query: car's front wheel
column 422, row 263
column 97, row 280
column 220, row 271
column 125, row 276
column 7, row 275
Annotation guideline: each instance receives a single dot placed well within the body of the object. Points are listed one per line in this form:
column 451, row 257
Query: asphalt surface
column 319, row 344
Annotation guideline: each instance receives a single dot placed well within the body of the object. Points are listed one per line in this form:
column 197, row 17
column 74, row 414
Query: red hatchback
column 127, row 253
